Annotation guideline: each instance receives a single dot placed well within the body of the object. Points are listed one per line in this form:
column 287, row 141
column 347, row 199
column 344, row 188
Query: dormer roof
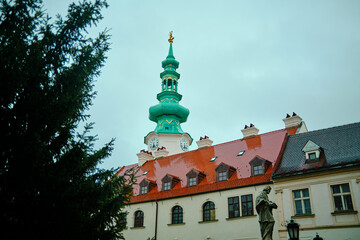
column 310, row 146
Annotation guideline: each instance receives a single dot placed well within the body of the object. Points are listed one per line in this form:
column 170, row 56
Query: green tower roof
column 168, row 113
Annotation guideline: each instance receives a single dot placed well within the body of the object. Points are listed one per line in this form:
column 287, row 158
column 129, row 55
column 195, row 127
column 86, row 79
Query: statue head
column 267, row 189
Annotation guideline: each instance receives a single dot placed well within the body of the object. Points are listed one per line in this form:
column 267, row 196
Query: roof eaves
column 325, row 168
column 198, row 193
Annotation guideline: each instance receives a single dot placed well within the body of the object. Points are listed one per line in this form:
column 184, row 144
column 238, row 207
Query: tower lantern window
column 164, row 84
column 169, row 83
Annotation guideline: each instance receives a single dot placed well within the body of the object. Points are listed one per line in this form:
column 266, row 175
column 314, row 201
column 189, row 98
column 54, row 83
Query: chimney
column 161, row 152
column 144, row 156
column 292, row 121
column 249, row 132
column 204, row 142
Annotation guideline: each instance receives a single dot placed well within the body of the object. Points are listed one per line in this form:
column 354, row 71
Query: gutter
column 156, row 218
column 317, row 170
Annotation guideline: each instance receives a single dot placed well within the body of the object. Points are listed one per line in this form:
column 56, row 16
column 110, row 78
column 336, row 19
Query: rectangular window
column 192, row 181
column 167, row 186
column 144, row 190
column 247, row 205
column 302, row 202
column 233, row 203
column 258, row 170
column 222, row 176
column 312, row 156
column 342, row 197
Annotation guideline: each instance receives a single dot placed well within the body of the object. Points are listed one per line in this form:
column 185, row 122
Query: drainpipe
column 156, row 218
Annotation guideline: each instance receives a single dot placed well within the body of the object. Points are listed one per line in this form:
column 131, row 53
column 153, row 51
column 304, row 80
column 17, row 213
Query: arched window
column 208, row 211
column 139, row 219
column 177, row 215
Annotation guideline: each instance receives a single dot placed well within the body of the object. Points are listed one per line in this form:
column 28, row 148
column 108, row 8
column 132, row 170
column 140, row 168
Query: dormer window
column 312, row 156
column 312, row 152
column 222, row 176
column 224, row 172
column 144, row 190
column 169, row 181
column 192, row 181
column 146, row 186
column 258, row 170
column 167, row 186
column 194, row 177
column 259, row 166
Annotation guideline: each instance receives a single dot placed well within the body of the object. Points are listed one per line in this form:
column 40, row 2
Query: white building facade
column 193, row 225
column 317, row 183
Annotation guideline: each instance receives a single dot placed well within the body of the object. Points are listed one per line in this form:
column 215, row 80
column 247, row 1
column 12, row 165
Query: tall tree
column 51, row 186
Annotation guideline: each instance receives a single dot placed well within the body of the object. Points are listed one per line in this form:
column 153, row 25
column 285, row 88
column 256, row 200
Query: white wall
column 238, row 228
column 330, row 226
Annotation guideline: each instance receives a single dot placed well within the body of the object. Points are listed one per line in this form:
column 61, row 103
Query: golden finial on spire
column 171, row 38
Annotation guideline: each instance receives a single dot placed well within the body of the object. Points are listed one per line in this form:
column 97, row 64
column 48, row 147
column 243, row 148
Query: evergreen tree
column 51, row 186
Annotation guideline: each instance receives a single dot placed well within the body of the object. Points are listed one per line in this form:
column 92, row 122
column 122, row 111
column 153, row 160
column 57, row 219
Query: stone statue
column 264, row 209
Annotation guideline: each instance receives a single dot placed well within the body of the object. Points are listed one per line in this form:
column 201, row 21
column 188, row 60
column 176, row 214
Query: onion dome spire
column 168, row 114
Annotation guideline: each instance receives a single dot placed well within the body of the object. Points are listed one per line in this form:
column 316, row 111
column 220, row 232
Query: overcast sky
column 241, row 62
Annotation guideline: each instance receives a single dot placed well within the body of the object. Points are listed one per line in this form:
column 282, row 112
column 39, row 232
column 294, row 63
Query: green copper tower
column 169, row 114
column 168, row 138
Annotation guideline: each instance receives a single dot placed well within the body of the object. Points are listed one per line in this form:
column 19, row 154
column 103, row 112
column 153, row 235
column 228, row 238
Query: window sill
column 175, row 224
column 240, row 217
column 311, row 215
column 137, row 227
column 348, row 212
column 209, row 221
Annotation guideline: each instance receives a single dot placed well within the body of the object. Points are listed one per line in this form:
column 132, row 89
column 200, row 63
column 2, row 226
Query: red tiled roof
column 268, row 146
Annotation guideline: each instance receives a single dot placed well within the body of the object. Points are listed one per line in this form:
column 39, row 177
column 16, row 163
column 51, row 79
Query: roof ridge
column 219, row 144
column 240, row 139
column 326, row 129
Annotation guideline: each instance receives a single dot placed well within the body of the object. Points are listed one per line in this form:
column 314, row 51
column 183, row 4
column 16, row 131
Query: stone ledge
column 211, row 221
column 175, row 224
column 240, row 217
column 344, row 212
column 303, row 216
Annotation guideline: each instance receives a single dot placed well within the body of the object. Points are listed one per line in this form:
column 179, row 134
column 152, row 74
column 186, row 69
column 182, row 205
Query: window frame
column 258, row 162
column 224, row 168
column 178, row 216
column 146, row 184
column 138, row 219
column 302, row 200
column 243, row 213
column 235, row 206
column 193, row 173
column 341, row 194
column 167, row 186
column 169, row 182
column 257, row 169
column 312, row 154
column 144, row 190
column 192, row 181
column 222, row 176
column 209, row 211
